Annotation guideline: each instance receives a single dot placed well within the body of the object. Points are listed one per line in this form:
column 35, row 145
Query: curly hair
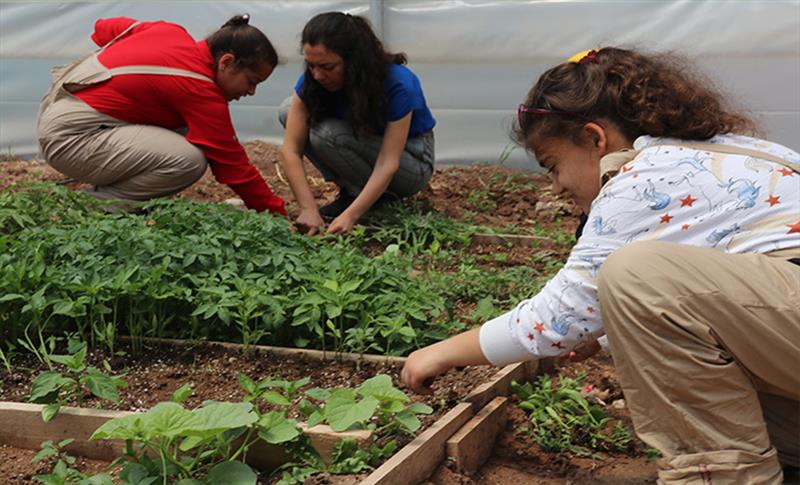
column 250, row 46
column 365, row 69
column 657, row 95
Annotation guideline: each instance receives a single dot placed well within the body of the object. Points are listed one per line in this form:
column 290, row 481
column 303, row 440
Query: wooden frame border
column 410, row 465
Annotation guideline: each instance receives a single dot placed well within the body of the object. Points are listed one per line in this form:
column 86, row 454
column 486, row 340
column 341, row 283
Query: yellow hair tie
column 584, row 56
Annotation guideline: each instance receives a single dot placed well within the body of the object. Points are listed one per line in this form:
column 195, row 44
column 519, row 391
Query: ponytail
column 248, row 44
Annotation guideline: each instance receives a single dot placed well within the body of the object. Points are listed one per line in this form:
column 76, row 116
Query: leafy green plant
column 55, row 388
column 563, row 420
column 171, row 444
column 62, row 472
column 376, row 404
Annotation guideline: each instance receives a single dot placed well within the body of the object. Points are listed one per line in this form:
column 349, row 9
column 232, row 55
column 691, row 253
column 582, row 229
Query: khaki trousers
column 707, row 348
column 122, row 160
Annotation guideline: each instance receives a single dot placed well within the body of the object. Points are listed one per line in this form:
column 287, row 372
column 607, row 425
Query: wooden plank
column 268, row 349
column 470, row 446
column 512, row 239
column 417, row 460
column 500, row 383
column 21, row 426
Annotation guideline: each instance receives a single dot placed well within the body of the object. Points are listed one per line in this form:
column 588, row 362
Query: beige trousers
column 122, row 160
column 707, row 348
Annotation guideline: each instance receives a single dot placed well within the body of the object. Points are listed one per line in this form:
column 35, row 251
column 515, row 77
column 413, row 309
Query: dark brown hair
column 248, row 44
column 657, row 95
column 366, row 63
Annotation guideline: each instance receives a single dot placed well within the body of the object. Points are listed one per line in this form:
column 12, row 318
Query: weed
column 563, row 420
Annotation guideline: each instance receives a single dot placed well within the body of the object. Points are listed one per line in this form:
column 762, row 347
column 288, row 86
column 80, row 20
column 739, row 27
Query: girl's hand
column 426, row 363
column 309, row 221
column 421, row 367
column 342, row 224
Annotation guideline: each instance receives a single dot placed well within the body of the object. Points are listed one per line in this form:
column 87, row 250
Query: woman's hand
column 342, row 224
column 309, row 221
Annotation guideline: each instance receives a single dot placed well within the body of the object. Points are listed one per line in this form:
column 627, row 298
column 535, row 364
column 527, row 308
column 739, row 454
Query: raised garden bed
column 213, row 367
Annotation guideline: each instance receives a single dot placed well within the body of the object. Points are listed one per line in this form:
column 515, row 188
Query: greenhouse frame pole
column 376, row 17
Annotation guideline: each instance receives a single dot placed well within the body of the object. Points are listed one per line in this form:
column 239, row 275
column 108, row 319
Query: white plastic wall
column 476, row 59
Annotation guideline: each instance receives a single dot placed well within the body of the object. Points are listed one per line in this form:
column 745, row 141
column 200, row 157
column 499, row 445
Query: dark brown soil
column 153, row 375
column 517, row 459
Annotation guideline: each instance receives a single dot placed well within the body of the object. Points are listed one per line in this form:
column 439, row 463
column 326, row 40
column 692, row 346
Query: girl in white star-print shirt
column 689, row 262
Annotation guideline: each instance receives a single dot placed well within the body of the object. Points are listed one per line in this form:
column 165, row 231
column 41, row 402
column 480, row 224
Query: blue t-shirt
column 404, row 94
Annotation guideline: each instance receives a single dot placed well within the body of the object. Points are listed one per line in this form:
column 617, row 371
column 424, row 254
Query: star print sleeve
column 566, row 312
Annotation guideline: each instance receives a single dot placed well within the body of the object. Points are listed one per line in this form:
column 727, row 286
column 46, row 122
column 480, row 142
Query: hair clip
column 590, row 57
column 246, row 18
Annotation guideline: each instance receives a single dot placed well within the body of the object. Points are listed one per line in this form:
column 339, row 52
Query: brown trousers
column 122, row 160
column 707, row 348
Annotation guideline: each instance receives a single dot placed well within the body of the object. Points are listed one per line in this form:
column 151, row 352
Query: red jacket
column 175, row 101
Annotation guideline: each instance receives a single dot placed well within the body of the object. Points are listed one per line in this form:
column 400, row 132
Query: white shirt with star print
column 734, row 203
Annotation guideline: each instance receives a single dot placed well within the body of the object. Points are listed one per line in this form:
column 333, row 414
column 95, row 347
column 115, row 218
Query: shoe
column 335, row 208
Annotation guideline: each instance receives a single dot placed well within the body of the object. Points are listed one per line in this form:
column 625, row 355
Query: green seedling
column 171, row 444
column 563, row 420
column 55, row 389
column 62, row 472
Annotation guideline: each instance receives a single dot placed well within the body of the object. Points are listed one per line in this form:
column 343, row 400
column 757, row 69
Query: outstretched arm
column 428, row 362
column 294, row 142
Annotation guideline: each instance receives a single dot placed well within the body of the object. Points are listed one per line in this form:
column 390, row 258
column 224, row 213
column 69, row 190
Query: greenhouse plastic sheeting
column 476, row 59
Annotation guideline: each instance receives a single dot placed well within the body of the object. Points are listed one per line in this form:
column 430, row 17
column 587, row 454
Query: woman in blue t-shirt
column 360, row 116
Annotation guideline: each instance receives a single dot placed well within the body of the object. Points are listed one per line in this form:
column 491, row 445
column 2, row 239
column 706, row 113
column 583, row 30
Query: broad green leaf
column 332, row 310
column 45, row 385
column 331, row 285
column 273, row 397
column 315, row 418
column 190, row 481
column 168, row 419
column 221, row 416
column 247, row 384
column 276, row 428
column 307, row 407
column 318, row 393
column 106, row 479
column 232, row 473
column 100, row 385
column 408, row 420
column 133, row 473
column 349, row 286
column 420, row 408
column 63, row 307
column 380, row 387
column 126, row 427
column 191, row 443
column 50, row 411
column 182, row 393
column 342, row 411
